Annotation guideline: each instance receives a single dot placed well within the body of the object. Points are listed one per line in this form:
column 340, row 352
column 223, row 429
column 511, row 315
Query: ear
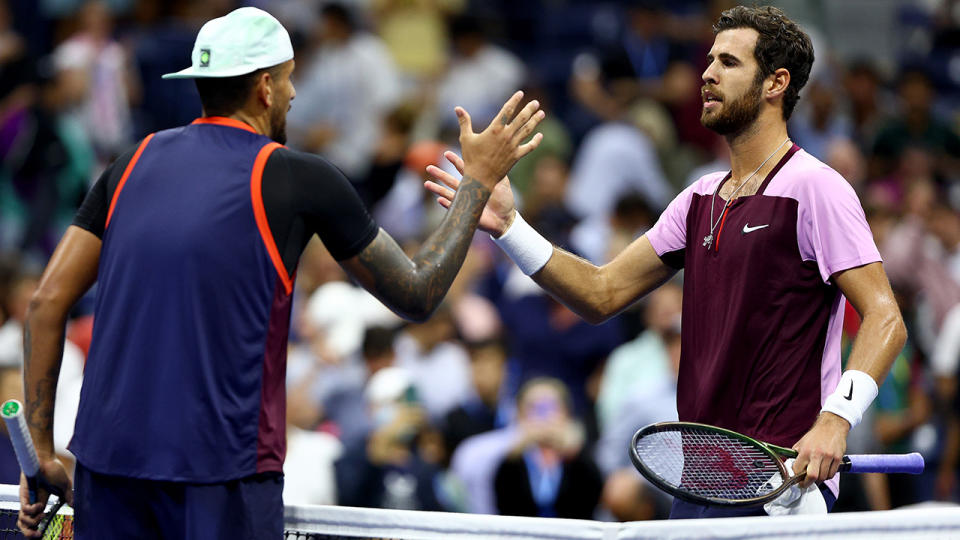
column 776, row 85
column 264, row 89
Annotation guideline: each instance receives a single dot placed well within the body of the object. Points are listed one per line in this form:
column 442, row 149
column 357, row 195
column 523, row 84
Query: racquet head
column 709, row 465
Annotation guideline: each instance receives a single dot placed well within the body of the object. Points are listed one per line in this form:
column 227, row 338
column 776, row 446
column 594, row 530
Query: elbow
column 45, row 307
column 417, row 314
column 594, row 315
column 899, row 330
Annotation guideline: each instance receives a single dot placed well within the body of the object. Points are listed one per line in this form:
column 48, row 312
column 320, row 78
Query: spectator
column 615, row 159
column 547, row 473
column 918, row 126
column 395, row 467
column 343, row 94
column 817, row 124
column 101, row 71
column 308, row 467
column 438, row 365
column 480, row 76
column 416, row 35
column 481, row 412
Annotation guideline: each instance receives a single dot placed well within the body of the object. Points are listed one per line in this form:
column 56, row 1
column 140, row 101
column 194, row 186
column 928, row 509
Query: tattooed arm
column 71, row 271
column 413, row 287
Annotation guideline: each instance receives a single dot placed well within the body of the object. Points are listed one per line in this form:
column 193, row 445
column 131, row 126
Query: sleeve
column 328, row 204
column 832, row 228
column 92, row 214
column 669, row 234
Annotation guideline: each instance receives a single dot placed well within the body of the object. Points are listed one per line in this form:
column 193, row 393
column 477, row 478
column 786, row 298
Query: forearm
column 414, row 287
column 880, row 339
column 578, row 284
column 43, row 337
column 598, row 293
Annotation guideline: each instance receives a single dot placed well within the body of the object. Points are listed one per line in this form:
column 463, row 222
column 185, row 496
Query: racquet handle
column 12, row 412
column 883, row 463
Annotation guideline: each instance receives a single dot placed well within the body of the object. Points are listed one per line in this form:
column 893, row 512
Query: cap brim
column 194, row 73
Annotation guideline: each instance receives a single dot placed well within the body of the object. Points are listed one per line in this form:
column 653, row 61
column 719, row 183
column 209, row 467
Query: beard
column 738, row 114
column 278, row 125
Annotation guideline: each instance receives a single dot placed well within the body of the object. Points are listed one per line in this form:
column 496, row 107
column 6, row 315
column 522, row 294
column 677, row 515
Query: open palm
column 497, row 214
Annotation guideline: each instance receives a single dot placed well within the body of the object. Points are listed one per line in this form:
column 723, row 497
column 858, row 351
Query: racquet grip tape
column 12, row 412
column 881, row 463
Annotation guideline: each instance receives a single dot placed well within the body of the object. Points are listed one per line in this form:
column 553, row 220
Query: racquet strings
column 709, row 464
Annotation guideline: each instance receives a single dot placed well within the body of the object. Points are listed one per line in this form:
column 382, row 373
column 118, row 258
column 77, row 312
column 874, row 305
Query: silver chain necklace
column 708, row 239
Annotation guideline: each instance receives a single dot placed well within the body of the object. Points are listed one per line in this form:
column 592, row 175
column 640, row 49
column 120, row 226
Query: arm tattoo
column 39, row 402
column 414, row 287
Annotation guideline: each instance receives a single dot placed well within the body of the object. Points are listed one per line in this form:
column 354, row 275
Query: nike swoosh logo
column 748, row 229
column 849, row 397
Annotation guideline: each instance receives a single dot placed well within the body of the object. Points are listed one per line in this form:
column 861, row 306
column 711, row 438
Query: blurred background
column 505, row 402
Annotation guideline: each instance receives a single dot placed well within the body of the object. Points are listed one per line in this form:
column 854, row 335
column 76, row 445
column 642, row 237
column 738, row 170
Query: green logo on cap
column 11, row 408
column 204, row 57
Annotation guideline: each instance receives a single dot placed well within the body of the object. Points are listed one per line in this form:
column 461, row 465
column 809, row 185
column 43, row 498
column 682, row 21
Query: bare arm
column 595, row 293
column 413, row 287
column 598, row 293
column 71, row 271
column 881, row 336
column 69, row 274
column 882, row 332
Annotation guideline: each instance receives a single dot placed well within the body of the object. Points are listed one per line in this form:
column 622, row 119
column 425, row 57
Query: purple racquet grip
column 886, row 463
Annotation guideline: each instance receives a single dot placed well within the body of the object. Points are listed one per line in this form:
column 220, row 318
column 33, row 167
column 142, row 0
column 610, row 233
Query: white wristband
column 855, row 392
column 525, row 246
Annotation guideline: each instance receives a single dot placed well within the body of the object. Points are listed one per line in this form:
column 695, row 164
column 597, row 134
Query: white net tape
column 326, row 522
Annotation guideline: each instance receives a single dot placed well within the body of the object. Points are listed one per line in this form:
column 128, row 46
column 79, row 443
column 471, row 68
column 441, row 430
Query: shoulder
column 809, row 180
column 706, row 184
column 302, row 162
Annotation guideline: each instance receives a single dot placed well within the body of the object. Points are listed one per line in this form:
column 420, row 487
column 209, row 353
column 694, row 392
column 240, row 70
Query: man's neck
column 259, row 123
column 754, row 145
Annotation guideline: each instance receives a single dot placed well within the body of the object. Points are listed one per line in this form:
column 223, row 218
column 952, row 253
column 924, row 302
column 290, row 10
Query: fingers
column 443, row 176
column 525, row 149
column 463, row 118
column 455, row 160
column 523, row 118
column 506, row 112
column 819, row 469
column 439, row 190
column 29, row 518
column 526, row 129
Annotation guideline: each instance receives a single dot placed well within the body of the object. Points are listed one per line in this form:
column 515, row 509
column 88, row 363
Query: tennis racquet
column 12, row 412
column 711, row 465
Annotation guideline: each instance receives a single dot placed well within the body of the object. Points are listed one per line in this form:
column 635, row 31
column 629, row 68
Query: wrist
column 830, row 419
column 854, row 394
column 485, row 178
column 525, row 246
column 507, row 223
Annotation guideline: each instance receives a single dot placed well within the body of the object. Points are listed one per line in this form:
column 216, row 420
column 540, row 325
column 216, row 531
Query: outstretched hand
column 490, row 154
column 499, row 211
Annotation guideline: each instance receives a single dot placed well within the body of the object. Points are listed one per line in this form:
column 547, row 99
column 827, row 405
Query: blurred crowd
column 505, row 401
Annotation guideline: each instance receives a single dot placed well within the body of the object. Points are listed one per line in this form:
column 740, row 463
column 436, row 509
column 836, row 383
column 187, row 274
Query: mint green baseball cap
column 240, row 42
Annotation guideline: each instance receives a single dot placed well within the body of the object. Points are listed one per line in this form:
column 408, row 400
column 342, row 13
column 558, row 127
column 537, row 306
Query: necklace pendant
column 708, row 241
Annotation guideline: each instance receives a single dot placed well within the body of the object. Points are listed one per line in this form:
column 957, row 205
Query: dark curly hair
column 782, row 44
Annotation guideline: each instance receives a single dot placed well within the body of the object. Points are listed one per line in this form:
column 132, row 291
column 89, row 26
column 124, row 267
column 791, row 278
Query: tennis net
column 339, row 522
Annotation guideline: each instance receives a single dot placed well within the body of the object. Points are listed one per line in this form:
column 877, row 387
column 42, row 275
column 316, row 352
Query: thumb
column 463, row 117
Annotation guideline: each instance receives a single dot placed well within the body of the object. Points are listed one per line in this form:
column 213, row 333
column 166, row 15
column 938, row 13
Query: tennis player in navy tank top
column 769, row 250
column 193, row 237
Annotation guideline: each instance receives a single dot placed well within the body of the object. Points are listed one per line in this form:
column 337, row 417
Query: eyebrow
column 724, row 56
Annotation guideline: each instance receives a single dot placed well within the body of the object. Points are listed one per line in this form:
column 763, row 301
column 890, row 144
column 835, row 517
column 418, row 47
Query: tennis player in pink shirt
column 770, row 249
